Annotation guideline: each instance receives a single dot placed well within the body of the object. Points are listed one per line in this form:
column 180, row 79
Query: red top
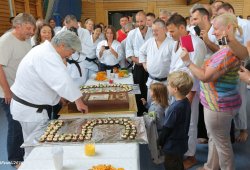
column 121, row 35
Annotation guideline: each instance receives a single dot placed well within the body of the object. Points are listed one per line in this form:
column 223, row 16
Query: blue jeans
column 14, row 136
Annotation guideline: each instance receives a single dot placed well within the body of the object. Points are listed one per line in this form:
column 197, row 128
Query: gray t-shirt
column 12, row 52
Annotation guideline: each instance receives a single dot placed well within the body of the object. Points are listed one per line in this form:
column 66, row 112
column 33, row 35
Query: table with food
column 104, row 139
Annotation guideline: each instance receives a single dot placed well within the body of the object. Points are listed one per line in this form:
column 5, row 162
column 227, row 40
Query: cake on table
column 103, row 101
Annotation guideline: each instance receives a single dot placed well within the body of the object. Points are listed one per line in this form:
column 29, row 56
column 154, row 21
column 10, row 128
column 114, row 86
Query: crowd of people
column 42, row 66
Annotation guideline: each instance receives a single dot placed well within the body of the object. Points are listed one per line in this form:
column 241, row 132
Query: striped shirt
column 222, row 94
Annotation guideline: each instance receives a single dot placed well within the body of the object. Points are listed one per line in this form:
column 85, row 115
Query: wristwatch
column 187, row 63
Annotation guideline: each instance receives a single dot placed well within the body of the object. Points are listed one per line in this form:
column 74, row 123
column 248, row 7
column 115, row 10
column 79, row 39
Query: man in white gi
column 135, row 40
column 241, row 117
column 155, row 54
column 176, row 26
column 125, row 63
column 88, row 53
column 41, row 80
column 14, row 46
column 83, row 69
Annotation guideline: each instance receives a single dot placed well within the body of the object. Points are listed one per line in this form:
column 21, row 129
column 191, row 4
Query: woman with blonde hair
column 219, row 93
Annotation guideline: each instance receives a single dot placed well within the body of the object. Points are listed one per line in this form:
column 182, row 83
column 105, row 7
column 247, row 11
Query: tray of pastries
column 106, row 88
column 102, row 130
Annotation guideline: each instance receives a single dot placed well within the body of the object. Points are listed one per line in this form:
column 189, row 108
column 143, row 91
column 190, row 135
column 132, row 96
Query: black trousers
column 140, row 77
column 173, row 162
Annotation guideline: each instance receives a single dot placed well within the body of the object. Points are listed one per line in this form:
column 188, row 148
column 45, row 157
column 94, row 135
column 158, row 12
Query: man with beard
column 176, row 26
column 134, row 41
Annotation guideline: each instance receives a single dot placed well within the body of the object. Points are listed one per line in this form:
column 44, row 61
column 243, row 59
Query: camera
column 197, row 30
column 223, row 41
column 106, row 47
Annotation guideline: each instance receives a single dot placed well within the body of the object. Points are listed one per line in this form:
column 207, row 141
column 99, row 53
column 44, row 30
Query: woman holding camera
column 109, row 51
column 219, row 94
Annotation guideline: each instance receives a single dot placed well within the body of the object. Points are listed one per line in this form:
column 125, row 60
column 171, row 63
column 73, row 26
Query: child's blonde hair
column 160, row 94
column 180, row 80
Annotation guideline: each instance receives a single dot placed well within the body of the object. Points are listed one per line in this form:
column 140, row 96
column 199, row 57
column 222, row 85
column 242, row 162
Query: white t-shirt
column 12, row 51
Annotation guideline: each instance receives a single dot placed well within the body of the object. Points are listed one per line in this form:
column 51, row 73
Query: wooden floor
column 241, row 150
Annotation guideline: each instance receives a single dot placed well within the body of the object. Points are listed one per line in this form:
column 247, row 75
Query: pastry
column 131, row 137
column 124, row 136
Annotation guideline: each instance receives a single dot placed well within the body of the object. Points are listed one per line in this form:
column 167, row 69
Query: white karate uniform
column 41, row 79
column 89, row 50
column 197, row 57
column 107, row 57
column 135, row 40
column 241, row 118
column 157, row 59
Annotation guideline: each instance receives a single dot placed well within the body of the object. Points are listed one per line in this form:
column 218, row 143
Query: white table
column 127, row 80
column 118, row 155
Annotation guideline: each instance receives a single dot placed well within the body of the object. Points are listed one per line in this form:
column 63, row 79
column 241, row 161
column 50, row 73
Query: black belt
column 109, row 67
column 39, row 107
column 158, row 79
column 76, row 63
column 92, row 60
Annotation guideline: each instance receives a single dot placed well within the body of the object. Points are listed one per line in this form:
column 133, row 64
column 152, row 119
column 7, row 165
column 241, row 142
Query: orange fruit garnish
column 121, row 74
column 101, row 76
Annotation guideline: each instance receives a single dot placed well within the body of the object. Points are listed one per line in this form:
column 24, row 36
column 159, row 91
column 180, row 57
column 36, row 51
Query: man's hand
column 81, row 106
column 204, row 36
column 7, row 96
column 244, row 74
column 184, row 55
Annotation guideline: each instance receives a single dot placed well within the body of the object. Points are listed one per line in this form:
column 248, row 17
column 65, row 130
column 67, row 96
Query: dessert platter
column 99, row 130
column 102, row 102
column 106, row 88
